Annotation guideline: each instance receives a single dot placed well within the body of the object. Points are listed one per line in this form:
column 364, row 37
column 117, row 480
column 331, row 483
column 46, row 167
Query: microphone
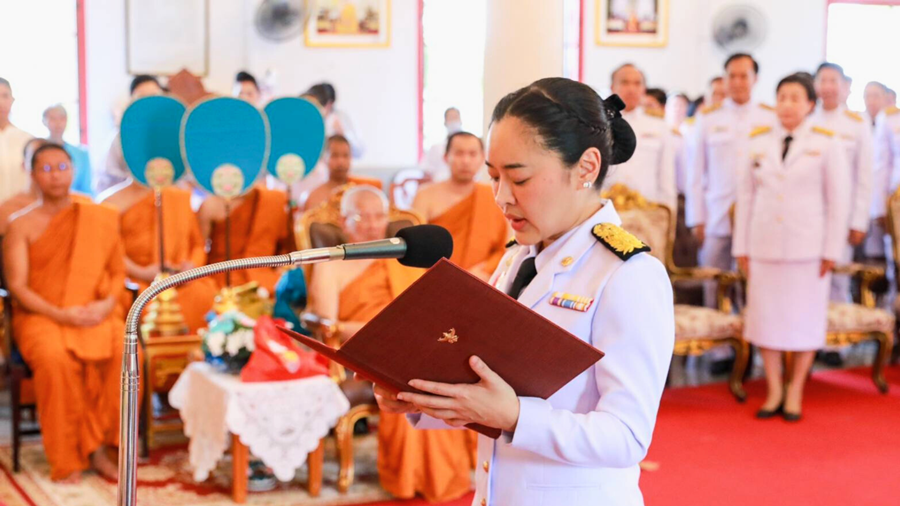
column 416, row 246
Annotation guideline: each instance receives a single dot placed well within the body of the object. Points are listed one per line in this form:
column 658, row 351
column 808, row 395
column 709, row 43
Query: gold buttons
column 509, row 261
column 486, row 466
column 567, row 261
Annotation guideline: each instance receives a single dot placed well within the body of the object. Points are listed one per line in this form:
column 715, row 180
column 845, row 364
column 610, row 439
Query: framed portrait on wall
column 634, row 23
column 165, row 36
column 349, row 23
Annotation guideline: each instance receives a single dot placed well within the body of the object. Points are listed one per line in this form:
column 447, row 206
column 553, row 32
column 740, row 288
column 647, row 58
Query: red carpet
column 711, row 451
column 845, row 452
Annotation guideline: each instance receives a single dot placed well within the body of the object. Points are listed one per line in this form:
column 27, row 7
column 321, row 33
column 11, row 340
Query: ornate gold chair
column 697, row 329
column 320, row 227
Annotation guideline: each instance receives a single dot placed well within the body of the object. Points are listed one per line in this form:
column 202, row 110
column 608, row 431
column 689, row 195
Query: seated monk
column 260, row 226
column 65, row 268
column 466, row 208
column 185, row 247
column 435, row 464
column 337, row 159
column 29, row 197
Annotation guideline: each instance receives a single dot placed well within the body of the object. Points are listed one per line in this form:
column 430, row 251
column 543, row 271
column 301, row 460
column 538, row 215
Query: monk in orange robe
column 260, row 226
column 65, row 267
column 337, row 159
column 435, row 464
column 185, row 247
column 466, row 208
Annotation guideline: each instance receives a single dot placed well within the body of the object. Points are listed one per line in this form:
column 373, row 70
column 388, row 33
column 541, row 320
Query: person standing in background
column 246, row 88
column 337, row 122
column 655, row 100
column 651, row 170
column 56, row 119
column 435, row 163
column 855, row 137
column 13, row 178
column 115, row 170
column 876, row 97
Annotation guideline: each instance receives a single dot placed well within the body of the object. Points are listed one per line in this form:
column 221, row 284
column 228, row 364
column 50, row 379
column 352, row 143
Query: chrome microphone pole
column 128, row 432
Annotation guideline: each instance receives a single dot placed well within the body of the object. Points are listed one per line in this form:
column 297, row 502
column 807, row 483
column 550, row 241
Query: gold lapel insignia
column 449, row 337
column 512, row 242
column 811, row 152
column 620, row 242
column 567, row 261
column 720, row 128
column 759, row 131
column 569, row 301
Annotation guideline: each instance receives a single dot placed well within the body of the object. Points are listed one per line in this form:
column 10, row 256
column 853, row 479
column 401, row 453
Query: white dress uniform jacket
column 651, row 169
column 852, row 132
column 13, row 176
column 796, row 209
column 582, row 446
column 887, row 159
column 717, row 147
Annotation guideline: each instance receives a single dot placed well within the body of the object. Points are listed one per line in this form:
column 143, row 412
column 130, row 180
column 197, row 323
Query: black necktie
column 527, row 272
column 787, row 145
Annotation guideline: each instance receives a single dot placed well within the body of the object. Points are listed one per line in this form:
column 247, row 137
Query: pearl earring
column 587, row 184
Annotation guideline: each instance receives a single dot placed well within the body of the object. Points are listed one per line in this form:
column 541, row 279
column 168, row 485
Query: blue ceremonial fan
column 298, row 136
column 150, row 140
column 225, row 144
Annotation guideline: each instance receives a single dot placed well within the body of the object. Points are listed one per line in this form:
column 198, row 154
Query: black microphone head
column 425, row 245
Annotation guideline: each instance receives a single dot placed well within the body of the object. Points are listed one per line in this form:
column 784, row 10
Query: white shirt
column 852, row 132
column 796, row 209
column 434, row 163
column 887, row 159
column 582, row 446
column 651, row 169
column 357, row 148
column 717, row 148
column 13, row 176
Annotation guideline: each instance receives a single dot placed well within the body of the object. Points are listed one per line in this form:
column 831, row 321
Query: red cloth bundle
column 277, row 357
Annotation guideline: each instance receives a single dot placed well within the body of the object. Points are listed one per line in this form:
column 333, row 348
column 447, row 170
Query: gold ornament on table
column 245, row 299
column 164, row 317
column 449, row 337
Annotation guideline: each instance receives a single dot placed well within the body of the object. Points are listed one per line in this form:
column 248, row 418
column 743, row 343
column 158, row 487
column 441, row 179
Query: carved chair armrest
column 868, row 274
column 325, row 330
column 678, row 274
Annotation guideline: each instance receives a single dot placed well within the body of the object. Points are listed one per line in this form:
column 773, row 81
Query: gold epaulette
column 620, row 242
column 760, row 130
column 654, row 113
column 890, row 111
column 676, row 132
column 854, row 116
column 823, row 131
column 711, row 108
column 512, row 242
column 767, row 107
column 691, row 120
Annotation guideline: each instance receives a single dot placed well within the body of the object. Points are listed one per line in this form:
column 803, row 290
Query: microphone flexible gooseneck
column 417, row 246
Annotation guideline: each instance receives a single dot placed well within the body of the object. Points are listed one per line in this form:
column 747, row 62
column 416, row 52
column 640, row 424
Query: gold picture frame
column 631, row 23
column 349, row 24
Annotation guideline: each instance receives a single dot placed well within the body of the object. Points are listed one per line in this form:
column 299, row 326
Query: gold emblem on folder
column 449, row 337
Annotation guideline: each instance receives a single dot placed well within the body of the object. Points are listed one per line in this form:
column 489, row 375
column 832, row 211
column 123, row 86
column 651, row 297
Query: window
column 40, row 60
column 453, row 34
column 861, row 37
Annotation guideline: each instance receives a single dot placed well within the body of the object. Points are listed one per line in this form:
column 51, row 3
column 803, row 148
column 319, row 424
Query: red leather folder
column 446, row 316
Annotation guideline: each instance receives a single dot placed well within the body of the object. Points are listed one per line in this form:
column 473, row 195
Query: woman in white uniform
column 550, row 145
column 790, row 226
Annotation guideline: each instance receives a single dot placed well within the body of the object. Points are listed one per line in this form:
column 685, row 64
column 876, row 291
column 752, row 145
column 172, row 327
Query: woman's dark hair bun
column 570, row 117
column 624, row 141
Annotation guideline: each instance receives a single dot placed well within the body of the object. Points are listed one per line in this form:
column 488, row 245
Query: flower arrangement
column 228, row 342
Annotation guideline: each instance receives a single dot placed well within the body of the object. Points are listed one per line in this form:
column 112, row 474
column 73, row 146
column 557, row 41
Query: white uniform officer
column 791, row 228
column 651, row 170
column 718, row 144
column 576, row 267
column 852, row 132
column 887, row 159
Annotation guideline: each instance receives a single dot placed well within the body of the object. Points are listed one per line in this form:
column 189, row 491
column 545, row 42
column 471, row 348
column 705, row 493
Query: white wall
column 377, row 87
column 795, row 41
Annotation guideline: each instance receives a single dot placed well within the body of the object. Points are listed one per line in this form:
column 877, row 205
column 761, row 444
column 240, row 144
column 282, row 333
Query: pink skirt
column 787, row 305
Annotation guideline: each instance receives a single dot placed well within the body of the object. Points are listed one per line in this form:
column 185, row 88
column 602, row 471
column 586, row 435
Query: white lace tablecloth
column 280, row 421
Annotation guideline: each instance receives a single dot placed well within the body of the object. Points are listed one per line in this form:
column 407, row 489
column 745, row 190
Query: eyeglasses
column 62, row 167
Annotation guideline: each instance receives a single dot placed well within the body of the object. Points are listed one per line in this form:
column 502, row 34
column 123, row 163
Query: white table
column 281, row 422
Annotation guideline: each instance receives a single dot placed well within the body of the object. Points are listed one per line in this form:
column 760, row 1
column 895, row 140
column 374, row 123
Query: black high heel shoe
column 791, row 417
column 765, row 414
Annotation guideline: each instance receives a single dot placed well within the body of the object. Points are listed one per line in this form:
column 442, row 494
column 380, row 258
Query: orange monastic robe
column 478, row 228
column 183, row 242
column 434, row 463
column 78, row 260
column 259, row 227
